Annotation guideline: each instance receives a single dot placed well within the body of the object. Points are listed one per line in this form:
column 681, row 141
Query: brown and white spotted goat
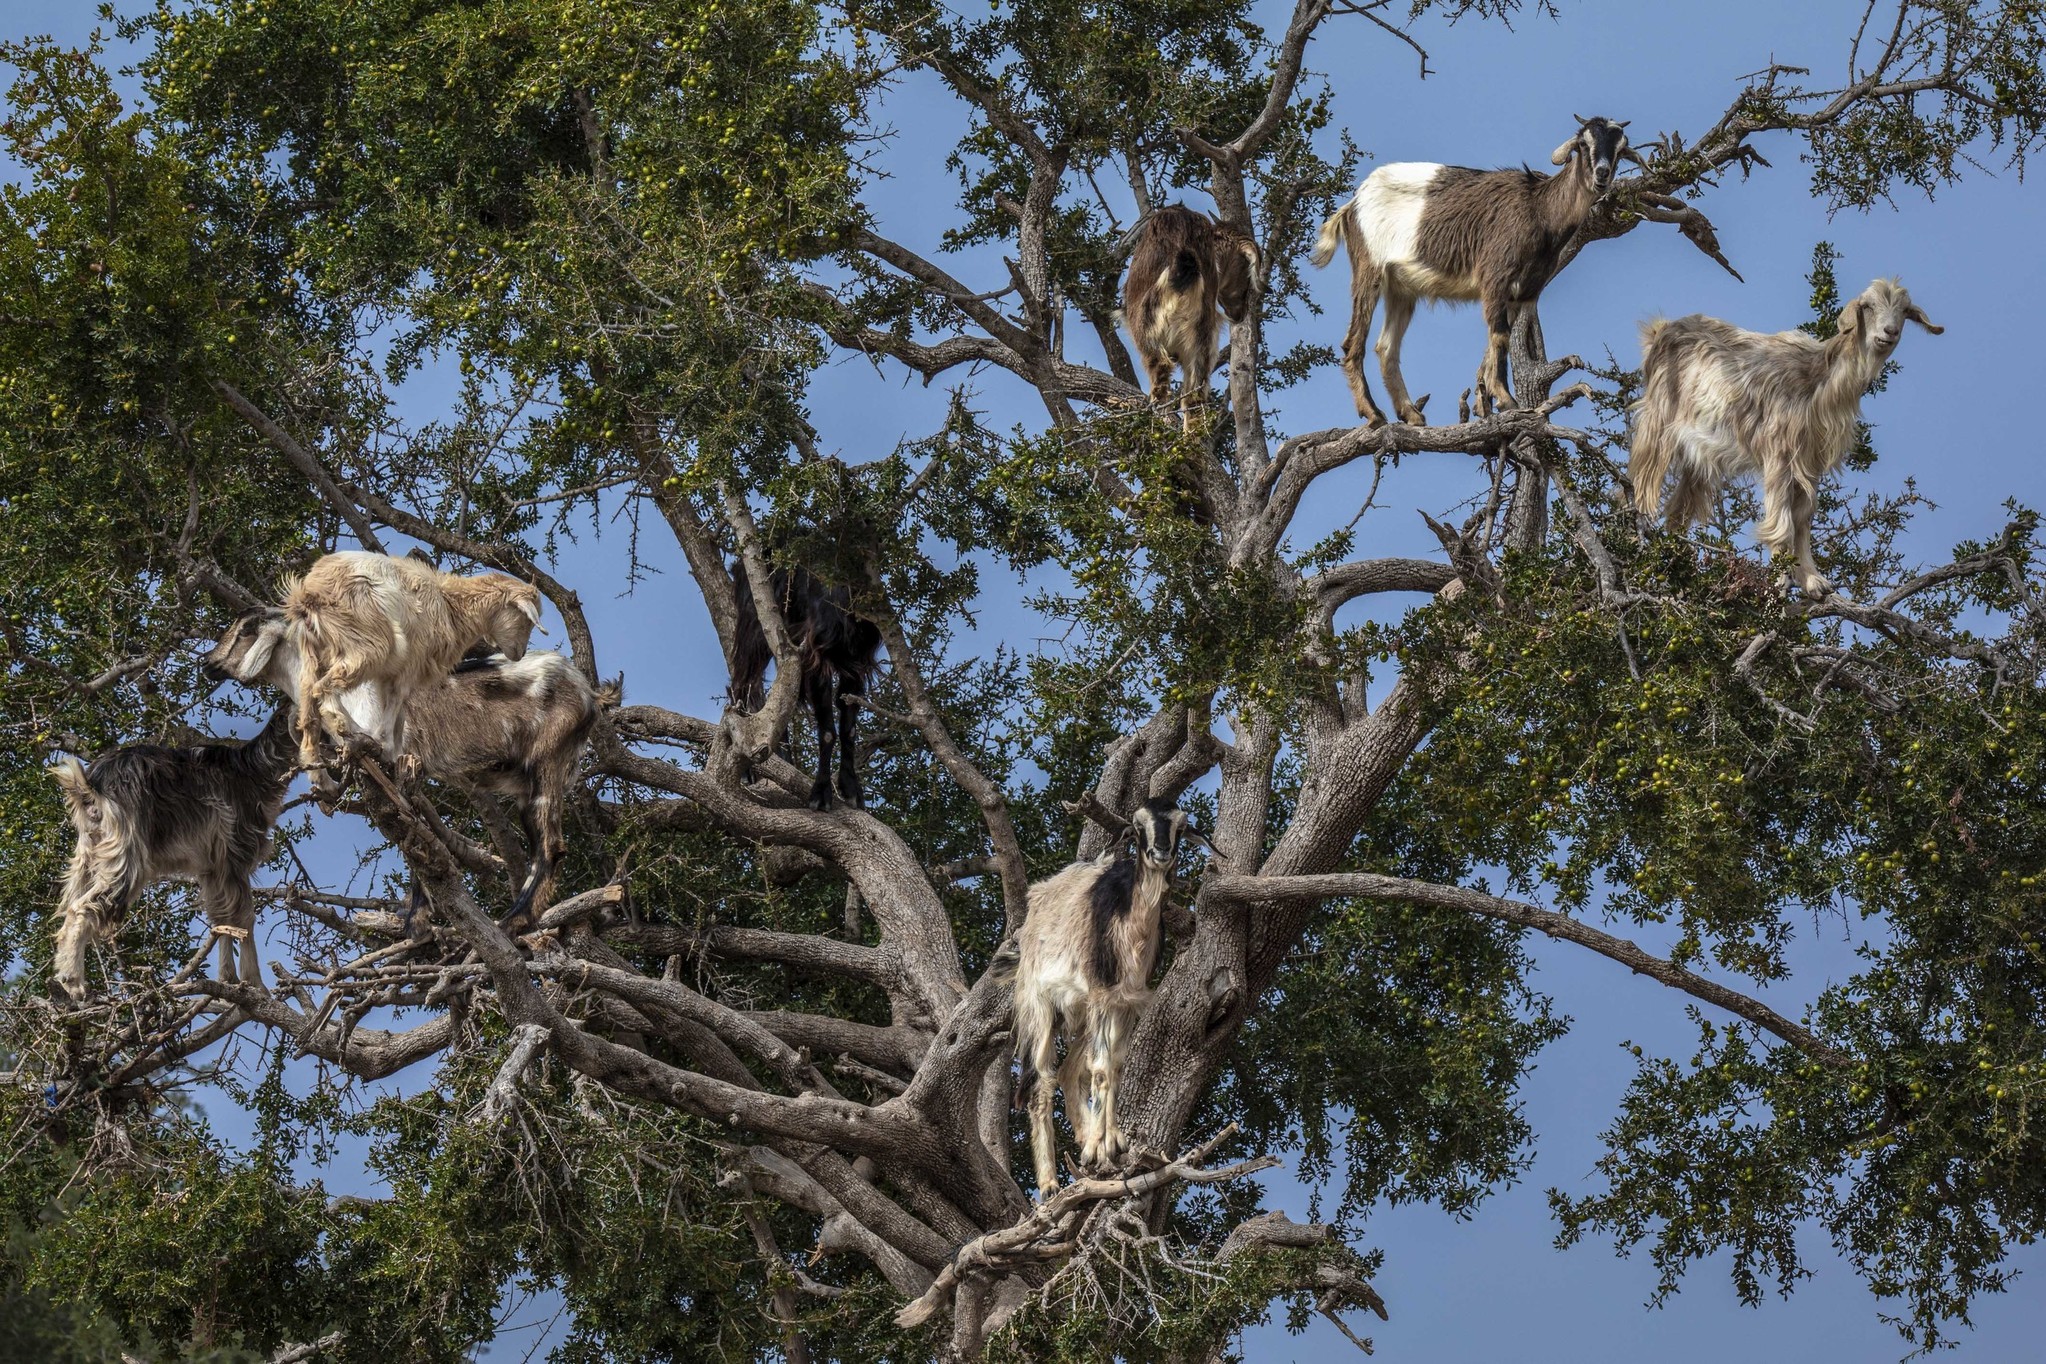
column 1186, row 274
column 148, row 813
column 1083, row 962
column 511, row 727
column 1418, row 230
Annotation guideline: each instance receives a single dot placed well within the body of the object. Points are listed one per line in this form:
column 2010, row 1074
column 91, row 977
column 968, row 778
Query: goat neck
column 1567, row 197
column 272, row 754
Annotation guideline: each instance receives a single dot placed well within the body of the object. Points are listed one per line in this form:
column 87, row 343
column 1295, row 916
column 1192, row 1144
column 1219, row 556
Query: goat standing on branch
column 1718, row 402
column 515, row 728
column 147, row 813
column 1083, row 961
column 838, row 654
column 398, row 624
column 1187, row 273
column 1418, row 230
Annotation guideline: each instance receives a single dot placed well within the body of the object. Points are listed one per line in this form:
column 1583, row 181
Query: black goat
column 147, row 813
column 839, row 652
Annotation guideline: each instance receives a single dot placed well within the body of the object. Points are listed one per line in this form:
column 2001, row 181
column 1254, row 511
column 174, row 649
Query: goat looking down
column 515, row 728
column 147, row 813
column 839, row 653
column 1186, row 272
column 1718, row 402
column 1082, row 964
column 1416, row 229
column 398, row 624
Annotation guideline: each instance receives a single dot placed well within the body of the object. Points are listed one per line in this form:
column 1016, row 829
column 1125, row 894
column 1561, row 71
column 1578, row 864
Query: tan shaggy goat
column 1082, row 963
column 396, row 623
column 513, row 728
column 1187, row 272
column 1718, row 402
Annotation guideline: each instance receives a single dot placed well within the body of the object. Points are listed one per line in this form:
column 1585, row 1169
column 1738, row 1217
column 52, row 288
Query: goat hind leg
column 1364, row 291
column 819, row 684
column 851, row 688
column 1105, row 1052
column 1399, row 312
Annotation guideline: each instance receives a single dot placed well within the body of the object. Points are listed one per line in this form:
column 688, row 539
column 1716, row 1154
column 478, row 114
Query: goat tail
column 1331, row 236
column 69, row 774
column 1185, row 273
column 611, row 695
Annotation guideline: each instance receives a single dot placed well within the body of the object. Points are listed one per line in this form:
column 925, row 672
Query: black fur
column 1108, row 899
column 169, row 792
column 839, row 653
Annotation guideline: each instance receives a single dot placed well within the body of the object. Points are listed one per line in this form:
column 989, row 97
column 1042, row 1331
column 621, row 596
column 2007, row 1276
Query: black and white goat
column 1187, row 272
column 148, row 813
column 1083, row 962
column 512, row 727
column 839, row 653
column 1718, row 402
column 1418, row 230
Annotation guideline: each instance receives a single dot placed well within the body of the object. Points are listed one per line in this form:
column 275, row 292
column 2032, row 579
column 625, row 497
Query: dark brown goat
column 1187, row 273
column 839, row 653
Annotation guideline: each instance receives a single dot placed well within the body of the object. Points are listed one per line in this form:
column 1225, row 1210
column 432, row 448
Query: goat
column 395, row 623
column 515, row 728
column 1718, row 402
column 1186, row 269
column 838, row 651
column 1417, row 230
column 148, row 813
column 1082, row 965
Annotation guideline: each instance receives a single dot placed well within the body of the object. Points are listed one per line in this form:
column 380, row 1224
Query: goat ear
column 1850, row 316
column 258, row 658
column 1914, row 313
column 1627, row 153
column 1195, row 836
column 530, row 607
column 1562, row 154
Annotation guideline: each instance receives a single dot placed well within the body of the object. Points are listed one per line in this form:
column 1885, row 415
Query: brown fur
column 374, row 618
column 1186, row 273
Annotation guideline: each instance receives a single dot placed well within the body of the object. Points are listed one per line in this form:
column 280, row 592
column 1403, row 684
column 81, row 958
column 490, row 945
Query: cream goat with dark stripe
column 1083, row 962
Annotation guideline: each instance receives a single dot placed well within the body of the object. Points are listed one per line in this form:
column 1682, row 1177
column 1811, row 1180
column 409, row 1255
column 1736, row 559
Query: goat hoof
column 820, row 796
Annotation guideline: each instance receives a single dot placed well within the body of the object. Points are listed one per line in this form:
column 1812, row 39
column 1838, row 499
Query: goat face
column 1157, row 829
column 1239, row 261
column 1879, row 315
column 1602, row 144
column 511, row 624
column 244, row 649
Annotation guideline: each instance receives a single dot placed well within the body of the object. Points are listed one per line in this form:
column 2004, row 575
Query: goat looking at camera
column 399, row 624
column 1186, row 273
column 515, row 728
column 1418, row 230
column 1718, row 402
column 838, row 653
column 1082, row 963
column 149, row 813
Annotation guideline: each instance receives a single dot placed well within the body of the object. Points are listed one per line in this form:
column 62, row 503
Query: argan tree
column 746, row 1094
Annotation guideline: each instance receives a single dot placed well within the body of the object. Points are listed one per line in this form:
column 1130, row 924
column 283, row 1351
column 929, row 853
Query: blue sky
column 1493, row 1286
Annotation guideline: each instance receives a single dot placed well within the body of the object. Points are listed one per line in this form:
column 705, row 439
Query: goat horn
column 1623, row 123
column 1581, row 119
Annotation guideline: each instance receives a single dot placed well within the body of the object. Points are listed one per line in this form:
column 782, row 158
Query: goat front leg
column 1803, row 502
column 1200, row 370
column 1494, row 390
column 1105, row 1053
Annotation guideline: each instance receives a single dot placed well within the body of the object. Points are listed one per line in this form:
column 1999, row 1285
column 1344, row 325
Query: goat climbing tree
column 747, row 1095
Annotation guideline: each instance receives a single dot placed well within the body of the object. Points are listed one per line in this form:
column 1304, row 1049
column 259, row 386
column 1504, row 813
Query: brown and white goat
column 515, row 728
column 1418, row 230
column 398, row 624
column 149, row 813
column 1186, row 273
column 1083, row 962
column 1718, row 402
